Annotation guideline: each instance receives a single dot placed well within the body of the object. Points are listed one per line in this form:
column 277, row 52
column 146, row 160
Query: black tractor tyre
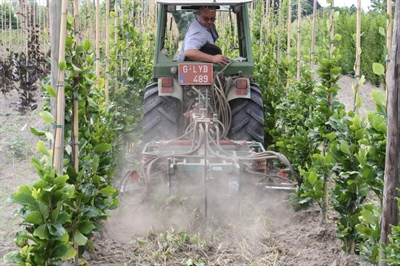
column 162, row 116
column 248, row 117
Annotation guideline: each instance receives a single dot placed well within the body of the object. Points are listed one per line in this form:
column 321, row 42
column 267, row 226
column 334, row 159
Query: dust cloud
column 196, row 206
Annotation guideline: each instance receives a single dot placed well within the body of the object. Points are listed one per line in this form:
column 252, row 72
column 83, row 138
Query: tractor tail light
column 167, row 85
column 242, row 86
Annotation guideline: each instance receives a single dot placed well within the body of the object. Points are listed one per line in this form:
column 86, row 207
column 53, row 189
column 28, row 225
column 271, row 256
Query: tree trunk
column 390, row 206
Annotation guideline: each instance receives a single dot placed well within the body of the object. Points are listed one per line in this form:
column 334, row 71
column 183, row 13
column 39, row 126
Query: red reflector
column 167, row 89
column 241, row 83
column 241, row 91
column 167, row 82
column 167, row 85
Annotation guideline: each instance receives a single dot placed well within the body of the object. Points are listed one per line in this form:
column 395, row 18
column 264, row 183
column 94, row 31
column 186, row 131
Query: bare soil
column 267, row 233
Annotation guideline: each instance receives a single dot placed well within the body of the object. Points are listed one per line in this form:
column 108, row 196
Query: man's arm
column 196, row 55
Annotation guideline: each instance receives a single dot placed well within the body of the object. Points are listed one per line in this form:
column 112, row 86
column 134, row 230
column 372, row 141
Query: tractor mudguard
column 175, row 92
column 233, row 92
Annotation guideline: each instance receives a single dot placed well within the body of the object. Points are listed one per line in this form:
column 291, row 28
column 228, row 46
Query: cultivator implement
column 200, row 160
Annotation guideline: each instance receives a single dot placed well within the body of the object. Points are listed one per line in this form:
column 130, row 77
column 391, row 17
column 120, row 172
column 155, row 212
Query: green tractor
column 231, row 95
column 204, row 123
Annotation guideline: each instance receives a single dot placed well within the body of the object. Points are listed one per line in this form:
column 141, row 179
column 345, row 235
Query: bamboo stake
column 10, row 29
column 88, row 20
column 358, row 57
column 278, row 45
column 55, row 44
column 289, row 36
column 260, row 53
column 289, row 29
column 98, row 39
column 59, row 130
column 122, row 29
column 106, row 92
column 3, row 28
column 267, row 18
column 2, row 12
column 298, row 39
column 330, row 99
column 75, row 111
column 388, row 47
column 115, row 43
column 314, row 29
column 48, row 9
column 272, row 18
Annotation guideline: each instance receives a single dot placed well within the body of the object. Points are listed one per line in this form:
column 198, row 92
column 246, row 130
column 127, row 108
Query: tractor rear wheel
column 162, row 115
column 248, row 117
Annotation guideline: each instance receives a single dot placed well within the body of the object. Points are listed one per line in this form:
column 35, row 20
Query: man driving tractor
column 202, row 34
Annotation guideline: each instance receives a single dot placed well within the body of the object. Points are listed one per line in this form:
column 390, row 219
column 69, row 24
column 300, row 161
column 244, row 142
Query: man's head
column 207, row 16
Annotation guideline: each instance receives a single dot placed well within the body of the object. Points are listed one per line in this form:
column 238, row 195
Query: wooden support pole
column 97, row 38
column 388, row 47
column 390, row 209
column 55, row 20
column 332, row 28
column 289, row 37
column 106, row 85
column 298, row 40
column 278, row 44
column 261, row 39
column 358, row 57
column 75, row 111
column 313, row 33
column 58, row 153
column 289, row 29
column 116, row 80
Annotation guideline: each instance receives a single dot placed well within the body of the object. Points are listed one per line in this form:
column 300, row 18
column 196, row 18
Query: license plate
column 195, row 74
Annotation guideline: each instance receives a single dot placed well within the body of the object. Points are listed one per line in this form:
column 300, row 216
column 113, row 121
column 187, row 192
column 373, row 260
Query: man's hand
column 197, row 55
column 220, row 60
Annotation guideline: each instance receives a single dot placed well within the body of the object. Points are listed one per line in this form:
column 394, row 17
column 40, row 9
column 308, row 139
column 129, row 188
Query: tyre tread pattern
column 248, row 117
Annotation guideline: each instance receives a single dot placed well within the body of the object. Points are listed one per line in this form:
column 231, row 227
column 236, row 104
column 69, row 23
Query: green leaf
column 101, row 82
column 358, row 100
column 61, row 180
column 47, row 117
column 344, row 147
column 336, row 71
column 80, row 239
column 62, row 218
column 76, row 69
column 62, row 65
column 86, row 227
column 69, row 41
column 368, row 217
column 13, row 257
column 382, row 31
column 42, row 232
column 337, row 37
column 34, row 217
column 312, row 178
column 50, row 90
column 41, row 147
column 58, row 230
column 70, row 18
column 86, row 45
column 108, row 191
column 63, row 251
column 378, row 69
column 102, row 147
column 89, row 59
column 23, row 199
column 36, row 132
column 379, row 97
